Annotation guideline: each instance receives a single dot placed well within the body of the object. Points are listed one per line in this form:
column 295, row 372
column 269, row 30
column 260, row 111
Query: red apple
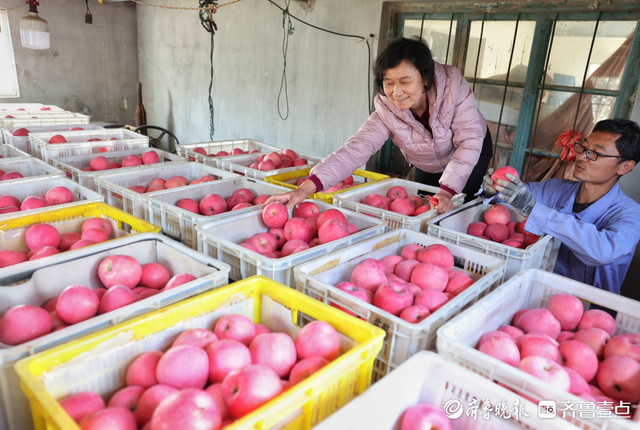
column 427, row 275
column 579, row 357
column 305, row 368
column 368, row 275
column 393, row 297
column 120, row 270
column 567, row 309
column 39, row 235
column 187, row 409
column 624, row 344
column 540, row 320
column 212, row 204
column 76, row 304
column 237, row 327
column 546, row 370
column 150, row 400
column 397, row 192
column 150, row 157
column 246, row 389
column 600, row 319
column 116, row 297
column 431, row 299
column 375, row 200
column 179, row 279
column 318, row 339
column 619, row 377
column 142, row 372
column 198, row 337
column 183, row 366
column 424, row 416
column 59, row 196
column 275, row 215
column 274, row 350
column 79, row 405
column 24, row 323
column 414, row 314
column 226, row 356
column 154, row 276
column 127, row 397
column 497, row 214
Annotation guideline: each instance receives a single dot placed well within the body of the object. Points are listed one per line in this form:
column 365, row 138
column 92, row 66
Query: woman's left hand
column 444, row 201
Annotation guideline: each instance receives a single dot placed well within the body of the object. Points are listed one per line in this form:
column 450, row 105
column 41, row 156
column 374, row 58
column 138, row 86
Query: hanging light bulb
column 34, row 31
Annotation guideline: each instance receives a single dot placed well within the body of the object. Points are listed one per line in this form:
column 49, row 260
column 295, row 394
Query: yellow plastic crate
column 99, row 362
column 289, row 180
column 123, row 220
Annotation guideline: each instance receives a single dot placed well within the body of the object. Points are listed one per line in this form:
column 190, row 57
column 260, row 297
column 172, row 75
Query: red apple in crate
column 58, row 138
column 33, row 202
column 96, row 235
column 77, row 303
column 99, row 163
column 79, row 405
column 237, row 327
column 157, row 181
column 619, row 377
column 305, row 368
column 10, row 175
column 138, row 189
column 546, row 370
column 187, row 409
column 330, row 214
column 579, row 357
column 261, row 329
column 375, row 200
column 120, row 270
column 150, row 400
column 577, row 383
column 259, row 200
column 81, row 244
column 247, row 389
column 189, row 204
column 410, row 252
column 436, row 254
column 542, row 346
column 540, row 320
column 261, row 243
column 416, row 201
column 225, row 356
column 423, row 416
column 127, row 397
column 353, row 290
column 212, row 204
column 150, row 157
column 9, row 209
column 278, row 234
column 600, row 319
column 39, row 235
column 274, row 350
column 154, row 275
column 68, row 239
column 306, row 210
column 405, row 268
column 318, row 339
column 179, row 279
column 292, row 245
column 198, row 337
column 368, row 275
column 215, row 391
column 519, row 237
column 393, row 297
column 427, row 275
column 175, row 183
column 530, row 239
column 493, row 334
column 275, row 215
column 24, row 323
column 43, row 252
column 397, row 192
column 422, row 209
column 183, row 366
column 564, row 336
column 21, row 132
column 300, row 162
column 414, row 314
column 116, row 297
column 497, row 214
column 624, row 344
column 333, row 229
column 298, row 228
column 512, row 331
column 431, row 299
column 501, row 348
column 142, row 372
column 131, row 161
column 109, row 418
column 497, row 232
column 59, row 196
column 390, row 262
column 290, row 152
column 567, row 309
column 7, row 200
column 458, row 284
column 402, row 206
column 266, row 165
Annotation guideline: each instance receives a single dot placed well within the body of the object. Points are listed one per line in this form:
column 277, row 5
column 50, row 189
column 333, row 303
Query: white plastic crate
column 221, row 239
column 161, row 209
column 240, row 164
column 452, row 227
column 32, row 110
column 39, row 187
column 530, row 289
column 52, row 275
column 19, row 105
column 8, row 151
column 29, row 168
column 55, row 118
column 114, row 186
column 187, row 150
column 111, row 139
column 318, row 277
column 428, row 378
column 74, row 164
column 352, row 200
column 22, row 142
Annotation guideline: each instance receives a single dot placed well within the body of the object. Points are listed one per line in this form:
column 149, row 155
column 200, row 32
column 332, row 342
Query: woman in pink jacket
column 429, row 112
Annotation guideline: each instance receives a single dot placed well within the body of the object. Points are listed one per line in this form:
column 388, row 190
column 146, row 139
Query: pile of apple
column 572, row 350
column 411, row 285
column 100, row 162
column 6, row 176
column 307, row 228
column 425, row 416
column 125, row 280
column 498, row 227
column 234, row 151
column 23, row 132
column 242, row 365
column 273, row 160
column 399, row 201
column 55, row 196
column 44, row 240
column 214, row 204
column 159, row 184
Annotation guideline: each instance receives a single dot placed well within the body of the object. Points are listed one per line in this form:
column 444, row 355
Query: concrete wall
column 326, row 74
column 92, row 69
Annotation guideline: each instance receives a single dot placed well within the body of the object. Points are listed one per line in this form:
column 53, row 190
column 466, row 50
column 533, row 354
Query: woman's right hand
column 292, row 198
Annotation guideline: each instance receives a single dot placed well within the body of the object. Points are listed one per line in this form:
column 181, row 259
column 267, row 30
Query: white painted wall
column 327, row 74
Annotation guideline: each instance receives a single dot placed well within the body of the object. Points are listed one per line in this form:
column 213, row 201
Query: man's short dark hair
column 628, row 142
column 414, row 50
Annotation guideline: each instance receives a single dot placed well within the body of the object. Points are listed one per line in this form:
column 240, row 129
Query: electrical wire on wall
column 207, row 22
column 288, row 30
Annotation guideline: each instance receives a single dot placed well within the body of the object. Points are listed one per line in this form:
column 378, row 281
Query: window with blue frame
column 535, row 73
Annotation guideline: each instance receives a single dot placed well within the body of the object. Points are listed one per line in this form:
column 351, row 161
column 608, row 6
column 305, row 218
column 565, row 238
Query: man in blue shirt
column 597, row 224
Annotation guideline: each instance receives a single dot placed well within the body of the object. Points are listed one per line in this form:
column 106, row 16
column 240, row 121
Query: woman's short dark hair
column 628, row 143
column 414, row 50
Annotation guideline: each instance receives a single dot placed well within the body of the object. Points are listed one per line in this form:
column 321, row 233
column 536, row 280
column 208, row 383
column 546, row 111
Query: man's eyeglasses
column 591, row 154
